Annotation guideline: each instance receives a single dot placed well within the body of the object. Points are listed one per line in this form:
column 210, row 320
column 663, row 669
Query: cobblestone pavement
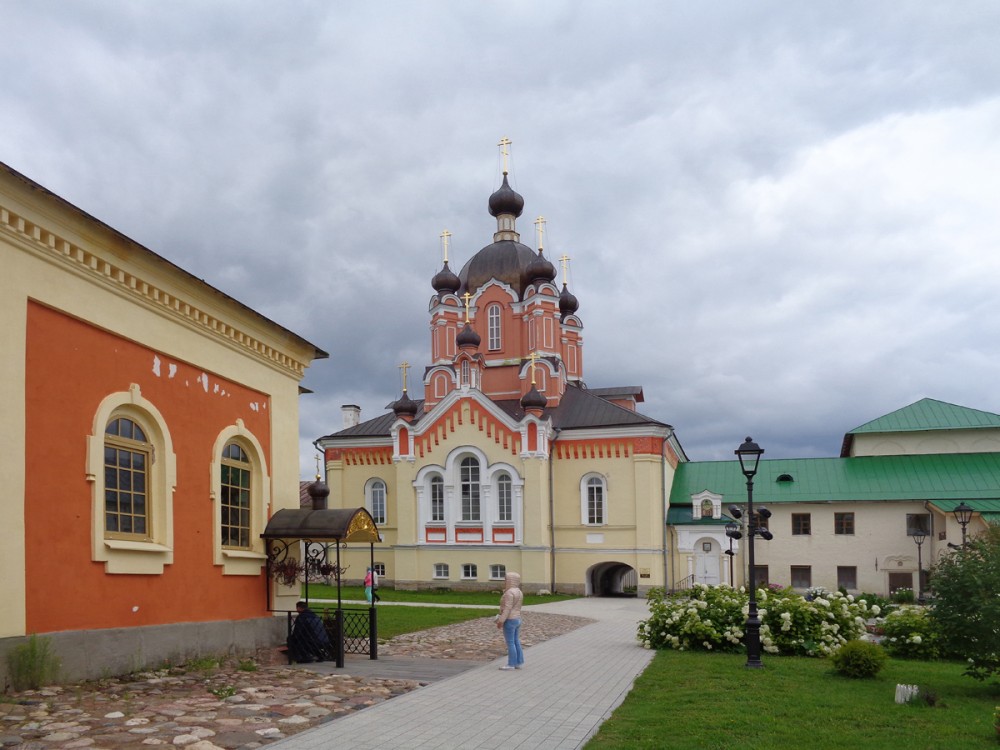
column 233, row 709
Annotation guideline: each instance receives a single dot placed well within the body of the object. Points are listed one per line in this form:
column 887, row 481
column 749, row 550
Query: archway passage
column 611, row 579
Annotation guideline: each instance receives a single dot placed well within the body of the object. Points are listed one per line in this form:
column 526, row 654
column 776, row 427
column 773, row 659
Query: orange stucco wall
column 70, row 368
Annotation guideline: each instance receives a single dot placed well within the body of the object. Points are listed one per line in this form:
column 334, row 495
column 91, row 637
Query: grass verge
column 705, row 701
column 393, row 621
column 433, row 596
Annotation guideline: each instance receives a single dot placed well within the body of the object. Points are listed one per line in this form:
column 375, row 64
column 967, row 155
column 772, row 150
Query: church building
column 506, row 459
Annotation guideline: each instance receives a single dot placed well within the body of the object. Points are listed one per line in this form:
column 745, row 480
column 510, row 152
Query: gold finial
column 533, row 356
column 564, row 259
column 540, row 230
column 444, row 243
column 504, row 151
column 317, row 468
column 404, row 367
column 466, row 297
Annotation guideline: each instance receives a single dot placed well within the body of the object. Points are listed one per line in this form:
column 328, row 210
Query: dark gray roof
column 625, row 391
column 579, row 409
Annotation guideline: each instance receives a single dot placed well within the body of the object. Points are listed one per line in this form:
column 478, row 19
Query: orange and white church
column 507, row 460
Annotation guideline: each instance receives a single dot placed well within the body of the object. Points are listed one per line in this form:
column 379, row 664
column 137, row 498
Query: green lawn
column 393, row 621
column 698, row 700
column 434, row 596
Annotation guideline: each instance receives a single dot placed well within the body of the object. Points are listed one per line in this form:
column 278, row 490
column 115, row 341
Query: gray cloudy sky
column 782, row 217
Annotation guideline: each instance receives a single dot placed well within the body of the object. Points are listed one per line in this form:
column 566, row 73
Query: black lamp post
column 749, row 454
column 919, row 537
column 731, row 528
column 963, row 514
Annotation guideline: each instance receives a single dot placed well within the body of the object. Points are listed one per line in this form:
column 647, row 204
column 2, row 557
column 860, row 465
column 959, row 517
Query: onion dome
column 319, row 492
column 506, row 200
column 446, row 281
column 405, row 408
column 568, row 303
column 504, row 260
column 533, row 399
column 467, row 337
column 539, row 270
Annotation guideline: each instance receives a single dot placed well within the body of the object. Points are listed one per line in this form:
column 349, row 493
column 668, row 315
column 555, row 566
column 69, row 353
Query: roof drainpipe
column 552, row 520
column 663, row 481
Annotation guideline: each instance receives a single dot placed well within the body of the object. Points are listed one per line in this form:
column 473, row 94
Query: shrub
column 910, row 632
column 32, row 664
column 712, row 618
column 859, row 659
column 967, row 603
column 902, row 595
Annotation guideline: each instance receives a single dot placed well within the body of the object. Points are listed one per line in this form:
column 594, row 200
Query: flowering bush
column 713, row 618
column 903, row 595
column 910, row 632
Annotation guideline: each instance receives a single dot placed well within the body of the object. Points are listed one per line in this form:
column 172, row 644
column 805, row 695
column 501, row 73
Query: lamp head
column 749, row 454
column 765, row 534
column 735, row 512
column 763, row 512
column 919, row 537
column 963, row 514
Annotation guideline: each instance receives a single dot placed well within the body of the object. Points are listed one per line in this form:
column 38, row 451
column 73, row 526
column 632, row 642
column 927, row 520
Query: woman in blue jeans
column 509, row 620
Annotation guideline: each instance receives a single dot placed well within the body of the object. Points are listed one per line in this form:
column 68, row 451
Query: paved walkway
column 568, row 686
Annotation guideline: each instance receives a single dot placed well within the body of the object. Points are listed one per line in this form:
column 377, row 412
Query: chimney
column 352, row 415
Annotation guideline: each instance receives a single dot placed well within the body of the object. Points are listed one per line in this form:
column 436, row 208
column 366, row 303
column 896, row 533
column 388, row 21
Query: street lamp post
column 731, row 528
column 919, row 537
column 963, row 514
column 749, row 454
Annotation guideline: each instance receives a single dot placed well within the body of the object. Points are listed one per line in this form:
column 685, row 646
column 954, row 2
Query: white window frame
column 495, row 327
column 436, row 485
column 379, row 569
column 498, row 572
column 586, row 483
column 470, row 572
column 371, row 486
column 441, row 572
column 505, row 497
column 471, row 512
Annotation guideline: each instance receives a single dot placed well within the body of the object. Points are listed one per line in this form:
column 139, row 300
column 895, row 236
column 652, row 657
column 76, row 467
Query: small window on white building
column 441, row 570
column 498, row 572
column 470, row 571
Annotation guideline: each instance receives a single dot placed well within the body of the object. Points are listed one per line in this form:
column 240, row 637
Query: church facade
column 506, row 460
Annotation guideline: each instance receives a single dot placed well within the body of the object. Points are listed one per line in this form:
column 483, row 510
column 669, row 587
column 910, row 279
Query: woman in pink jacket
column 509, row 620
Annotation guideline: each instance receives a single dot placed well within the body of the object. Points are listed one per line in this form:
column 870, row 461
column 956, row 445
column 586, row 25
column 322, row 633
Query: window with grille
column 493, row 322
column 505, row 505
column 437, row 499
column 843, row 523
column 801, row 524
column 440, row 570
column 235, row 497
column 470, row 570
column 469, row 477
column 127, row 455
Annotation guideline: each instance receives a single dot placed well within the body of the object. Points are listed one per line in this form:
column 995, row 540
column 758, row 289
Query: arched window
column 437, row 498
column 234, row 505
column 376, row 500
column 127, row 458
column 593, row 500
column 469, row 478
column 466, row 372
column 707, row 508
column 505, row 504
column 493, row 320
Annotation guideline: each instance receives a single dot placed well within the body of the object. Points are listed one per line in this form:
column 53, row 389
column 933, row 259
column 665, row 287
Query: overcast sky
column 782, row 217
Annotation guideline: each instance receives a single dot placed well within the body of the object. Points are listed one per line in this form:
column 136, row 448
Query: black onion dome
column 533, row 399
column 319, row 492
column 406, row 406
column 467, row 337
column 539, row 271
column 506, row 201
column 568, row 304
column 504, row 260
column 445, row 281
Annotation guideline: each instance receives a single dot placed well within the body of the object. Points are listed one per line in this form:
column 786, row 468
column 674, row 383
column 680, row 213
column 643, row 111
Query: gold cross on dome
column 532, row 357
column 540, row 230
column 404, row 367
column 444, row 243
column 466, row 297
column 317, row 467
column 504, row 151
column 564, row 259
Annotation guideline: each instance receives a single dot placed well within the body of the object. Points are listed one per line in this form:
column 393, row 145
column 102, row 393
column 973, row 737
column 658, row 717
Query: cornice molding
column 99, row 270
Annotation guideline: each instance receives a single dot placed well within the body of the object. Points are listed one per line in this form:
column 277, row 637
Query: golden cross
column 533, row 356
column 466, row 297
column 444, row 243
column 317, row 467
column 540, row 230
column 504, row 151
column 564, row 259
column 404, row 367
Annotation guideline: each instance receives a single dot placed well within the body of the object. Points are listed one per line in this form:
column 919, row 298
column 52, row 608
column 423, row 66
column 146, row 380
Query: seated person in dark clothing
column 308, row 640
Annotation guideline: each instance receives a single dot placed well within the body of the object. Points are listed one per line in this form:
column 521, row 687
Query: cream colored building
column 849, row 522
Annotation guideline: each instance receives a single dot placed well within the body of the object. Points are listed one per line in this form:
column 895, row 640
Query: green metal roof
column 928, row 414
column 944, row 479
column 682, row 515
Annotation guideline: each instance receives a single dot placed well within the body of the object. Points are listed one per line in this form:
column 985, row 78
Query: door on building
column 706, row 563
column 900, row 581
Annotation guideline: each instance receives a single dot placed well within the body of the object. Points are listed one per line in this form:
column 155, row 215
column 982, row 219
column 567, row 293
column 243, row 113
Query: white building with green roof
column 849, row 521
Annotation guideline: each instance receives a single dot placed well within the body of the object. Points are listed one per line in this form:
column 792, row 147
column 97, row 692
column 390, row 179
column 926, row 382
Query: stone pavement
column 568, row 686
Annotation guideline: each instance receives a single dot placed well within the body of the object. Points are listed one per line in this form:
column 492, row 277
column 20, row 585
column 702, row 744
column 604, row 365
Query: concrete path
column 568, row 686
